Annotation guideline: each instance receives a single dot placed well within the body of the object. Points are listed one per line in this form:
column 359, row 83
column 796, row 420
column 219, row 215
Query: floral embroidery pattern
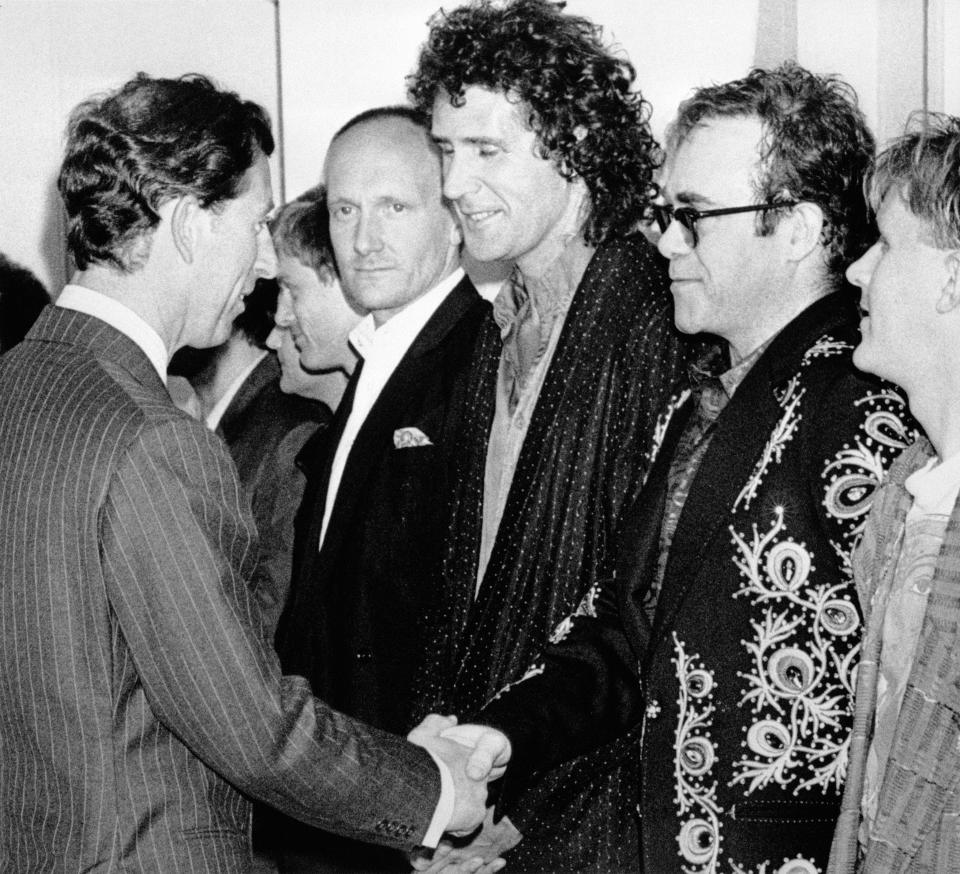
column 782, row 433
column 803, row 654
column 696, row 755
column 789, row 399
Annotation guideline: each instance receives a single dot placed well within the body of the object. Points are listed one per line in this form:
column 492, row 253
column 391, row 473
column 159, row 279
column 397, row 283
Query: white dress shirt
column 125, row 320
column 381, row 349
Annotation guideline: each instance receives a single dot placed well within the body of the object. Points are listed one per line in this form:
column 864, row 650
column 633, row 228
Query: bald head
column 393, row 235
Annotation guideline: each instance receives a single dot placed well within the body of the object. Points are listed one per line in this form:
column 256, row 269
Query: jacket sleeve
column 177, row 545
column 582, row 692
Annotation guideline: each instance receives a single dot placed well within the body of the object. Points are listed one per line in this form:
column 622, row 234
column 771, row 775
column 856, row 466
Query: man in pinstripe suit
column 141, row 701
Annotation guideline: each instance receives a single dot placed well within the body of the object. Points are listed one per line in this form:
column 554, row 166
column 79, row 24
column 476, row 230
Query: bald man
column 369, row 530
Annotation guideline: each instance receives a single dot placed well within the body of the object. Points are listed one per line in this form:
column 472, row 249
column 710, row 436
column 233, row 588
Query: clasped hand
column 475, row 755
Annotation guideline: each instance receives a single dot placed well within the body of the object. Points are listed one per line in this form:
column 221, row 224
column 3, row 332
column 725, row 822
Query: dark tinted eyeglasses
column 688, row 217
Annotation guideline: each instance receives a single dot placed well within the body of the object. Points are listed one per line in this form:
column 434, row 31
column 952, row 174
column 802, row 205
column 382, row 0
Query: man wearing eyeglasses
column 732, row 629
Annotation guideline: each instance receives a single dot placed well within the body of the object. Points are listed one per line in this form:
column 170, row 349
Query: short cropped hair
column 924, row 163
column 22, row 297
column 578, row 96
column 379, row 113
column 301, row 229
column 151, row 140
column 816, row 147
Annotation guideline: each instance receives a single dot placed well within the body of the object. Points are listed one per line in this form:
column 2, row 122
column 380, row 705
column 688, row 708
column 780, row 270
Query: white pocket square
column 405, row 438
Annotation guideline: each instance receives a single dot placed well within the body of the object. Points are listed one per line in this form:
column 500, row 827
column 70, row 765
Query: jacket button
column 653, row 710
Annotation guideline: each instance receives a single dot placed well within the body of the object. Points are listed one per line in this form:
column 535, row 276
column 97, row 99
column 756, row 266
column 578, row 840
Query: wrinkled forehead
column 479, row 112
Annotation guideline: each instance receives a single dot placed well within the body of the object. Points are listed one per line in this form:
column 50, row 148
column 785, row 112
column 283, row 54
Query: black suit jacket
column 142, row 704
column 265, row 429
column 744, row 679
column 355, row 615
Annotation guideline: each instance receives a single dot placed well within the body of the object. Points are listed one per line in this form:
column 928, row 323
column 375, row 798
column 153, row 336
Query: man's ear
column 805, row 222
column 949, row 298
column 185, row 226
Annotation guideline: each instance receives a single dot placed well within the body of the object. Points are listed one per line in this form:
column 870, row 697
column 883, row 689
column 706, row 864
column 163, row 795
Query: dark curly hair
column 577, row 95
column 816, row 147
column 924, row 163
column 130, row 151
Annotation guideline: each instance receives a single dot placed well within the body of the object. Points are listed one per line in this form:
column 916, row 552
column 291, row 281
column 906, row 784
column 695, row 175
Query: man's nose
column 283, row 317
column 860, row 272
column 368, row 236
column 459, row 177
column 674, row 241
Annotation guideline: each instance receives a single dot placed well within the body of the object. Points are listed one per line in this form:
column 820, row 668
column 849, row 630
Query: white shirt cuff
column 444, row 811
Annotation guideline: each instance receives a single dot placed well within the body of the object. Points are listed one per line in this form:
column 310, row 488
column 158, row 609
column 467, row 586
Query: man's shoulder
column 627, row 286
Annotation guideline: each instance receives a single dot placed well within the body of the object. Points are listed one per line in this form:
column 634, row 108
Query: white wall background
column 339, row 57
column 55, row 53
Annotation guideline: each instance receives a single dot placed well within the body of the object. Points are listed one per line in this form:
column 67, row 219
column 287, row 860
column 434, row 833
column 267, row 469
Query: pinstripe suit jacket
column 140, row 699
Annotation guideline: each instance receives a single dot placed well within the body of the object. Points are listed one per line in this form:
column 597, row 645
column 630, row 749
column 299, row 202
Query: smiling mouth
column 476, row 218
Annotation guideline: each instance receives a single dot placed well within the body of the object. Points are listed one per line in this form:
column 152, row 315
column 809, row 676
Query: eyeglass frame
column 665, row 214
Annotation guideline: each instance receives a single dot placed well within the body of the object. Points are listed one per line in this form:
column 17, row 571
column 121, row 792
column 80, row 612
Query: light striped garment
column 140, row 698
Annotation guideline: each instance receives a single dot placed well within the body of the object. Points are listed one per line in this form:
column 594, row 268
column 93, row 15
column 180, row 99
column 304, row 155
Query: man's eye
column 342, row 211
column 488, row 151
column 398, row 207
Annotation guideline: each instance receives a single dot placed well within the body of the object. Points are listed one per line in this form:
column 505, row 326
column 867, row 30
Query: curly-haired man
column 549, row 161
column 731, row 631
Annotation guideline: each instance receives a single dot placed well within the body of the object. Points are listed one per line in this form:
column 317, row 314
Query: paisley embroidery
column 696, row 791
column 803, row 654
column 854, row 473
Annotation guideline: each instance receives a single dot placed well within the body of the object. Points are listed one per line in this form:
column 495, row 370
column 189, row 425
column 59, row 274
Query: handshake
column 475, row 755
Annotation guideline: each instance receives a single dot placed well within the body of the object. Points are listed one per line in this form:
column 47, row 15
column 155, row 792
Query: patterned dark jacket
column 617, row 362
column 744, row 682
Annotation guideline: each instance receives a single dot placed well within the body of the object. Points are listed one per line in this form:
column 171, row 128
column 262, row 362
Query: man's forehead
column 484, row 112
column 717, row 156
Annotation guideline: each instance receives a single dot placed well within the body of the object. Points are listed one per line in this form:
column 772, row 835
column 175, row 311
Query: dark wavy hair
column 301, row 229
column 133, row 149
column 924, row 163
column 816, row 147
column 577, row 94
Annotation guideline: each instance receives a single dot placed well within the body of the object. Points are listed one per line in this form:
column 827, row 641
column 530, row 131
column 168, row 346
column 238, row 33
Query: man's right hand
column 475, row 754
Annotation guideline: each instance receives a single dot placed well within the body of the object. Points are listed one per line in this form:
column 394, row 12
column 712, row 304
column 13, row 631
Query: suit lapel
column 638, row 535
column 375, row 436
column 741, row 432
column 233, row 417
